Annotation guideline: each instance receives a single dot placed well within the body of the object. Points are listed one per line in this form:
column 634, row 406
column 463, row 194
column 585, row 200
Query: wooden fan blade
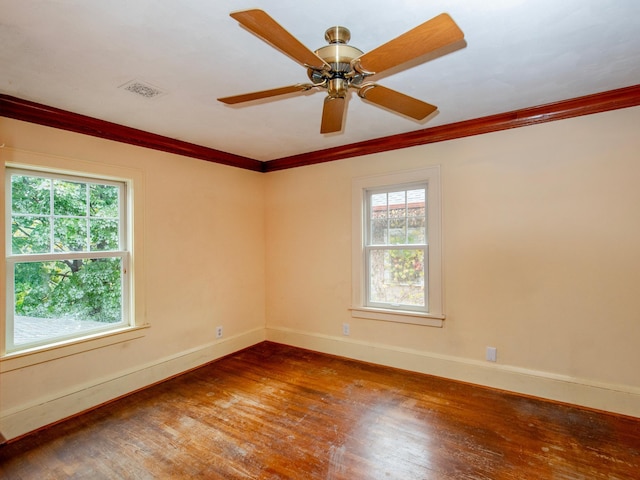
column 396, row 101
column 332, row 114
column 248, row 97
column 260, row 23
column 433, row 34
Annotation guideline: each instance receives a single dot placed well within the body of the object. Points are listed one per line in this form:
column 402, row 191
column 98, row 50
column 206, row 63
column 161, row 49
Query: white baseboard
column 45, row 411
column 620, row 399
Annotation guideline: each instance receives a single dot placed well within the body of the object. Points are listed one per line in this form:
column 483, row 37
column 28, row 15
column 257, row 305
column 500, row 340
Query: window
column 67, row 258
column 396, row 253
column 395, row 247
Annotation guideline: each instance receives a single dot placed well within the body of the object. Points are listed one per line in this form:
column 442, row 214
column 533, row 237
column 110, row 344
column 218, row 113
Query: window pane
column 379, row 231
column 397, row 277
column 30, row 195
column 30, row 235
column 60, row 298
column 417, row 232
column 70, row 234
column 69, row 198
column 416, row 196
column 379, row 201
column 104, row 235
column 104, row 201
column 397, row 218
column 378, row 219
column 416, row 216
column 397, row 199
column 397, row 230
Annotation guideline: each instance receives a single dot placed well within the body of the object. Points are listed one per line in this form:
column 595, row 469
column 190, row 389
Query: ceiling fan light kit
column 338, row 67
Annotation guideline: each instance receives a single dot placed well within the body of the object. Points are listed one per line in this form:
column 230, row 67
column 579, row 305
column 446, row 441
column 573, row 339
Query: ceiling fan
column 337, row 67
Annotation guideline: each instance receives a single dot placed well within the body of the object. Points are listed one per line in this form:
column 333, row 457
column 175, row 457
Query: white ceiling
column 75, row 55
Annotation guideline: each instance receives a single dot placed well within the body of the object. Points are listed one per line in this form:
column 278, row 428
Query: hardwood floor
column 276, row 412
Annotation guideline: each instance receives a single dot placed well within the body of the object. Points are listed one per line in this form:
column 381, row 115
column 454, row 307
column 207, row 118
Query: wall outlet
column 492, row 354
column 218, row 332
column 346, row 330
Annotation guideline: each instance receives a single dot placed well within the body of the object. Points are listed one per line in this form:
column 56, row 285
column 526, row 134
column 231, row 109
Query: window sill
column 36, row 355
column 414, row 318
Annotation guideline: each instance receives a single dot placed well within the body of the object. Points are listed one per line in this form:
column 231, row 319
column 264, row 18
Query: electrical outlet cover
column 492, row 354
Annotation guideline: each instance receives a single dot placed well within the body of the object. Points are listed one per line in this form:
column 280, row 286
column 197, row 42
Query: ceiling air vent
column 143, row 89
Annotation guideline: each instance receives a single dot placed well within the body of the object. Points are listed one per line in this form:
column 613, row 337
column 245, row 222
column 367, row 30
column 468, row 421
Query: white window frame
column 136, row 324
column 433, row 313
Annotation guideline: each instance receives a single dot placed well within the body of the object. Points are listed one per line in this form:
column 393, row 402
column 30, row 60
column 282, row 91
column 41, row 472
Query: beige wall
column 204, row 260
column 541, row 238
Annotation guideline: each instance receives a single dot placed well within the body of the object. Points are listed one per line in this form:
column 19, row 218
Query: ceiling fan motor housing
column 339, row 56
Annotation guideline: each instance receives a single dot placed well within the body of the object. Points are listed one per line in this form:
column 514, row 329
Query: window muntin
column 68, row 259
column 395, row 247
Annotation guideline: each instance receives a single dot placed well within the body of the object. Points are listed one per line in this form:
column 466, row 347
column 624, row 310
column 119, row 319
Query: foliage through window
column 68, row 258
column 396, row 247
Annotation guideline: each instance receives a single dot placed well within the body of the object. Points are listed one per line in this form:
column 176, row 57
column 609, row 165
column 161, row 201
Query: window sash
column 57, row 332
column 52, row 216
column 421, row 298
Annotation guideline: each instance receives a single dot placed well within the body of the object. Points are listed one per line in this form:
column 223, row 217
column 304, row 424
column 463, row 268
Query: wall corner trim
column 575, row 107
column 19, row 109
column 25, row 110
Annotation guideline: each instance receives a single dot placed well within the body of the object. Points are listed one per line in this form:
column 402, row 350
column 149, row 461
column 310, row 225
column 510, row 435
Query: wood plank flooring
column 277, row 412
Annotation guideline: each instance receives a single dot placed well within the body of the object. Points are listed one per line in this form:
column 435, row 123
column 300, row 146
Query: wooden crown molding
column 19, row 109
column 599, row 102
column 54, row 117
